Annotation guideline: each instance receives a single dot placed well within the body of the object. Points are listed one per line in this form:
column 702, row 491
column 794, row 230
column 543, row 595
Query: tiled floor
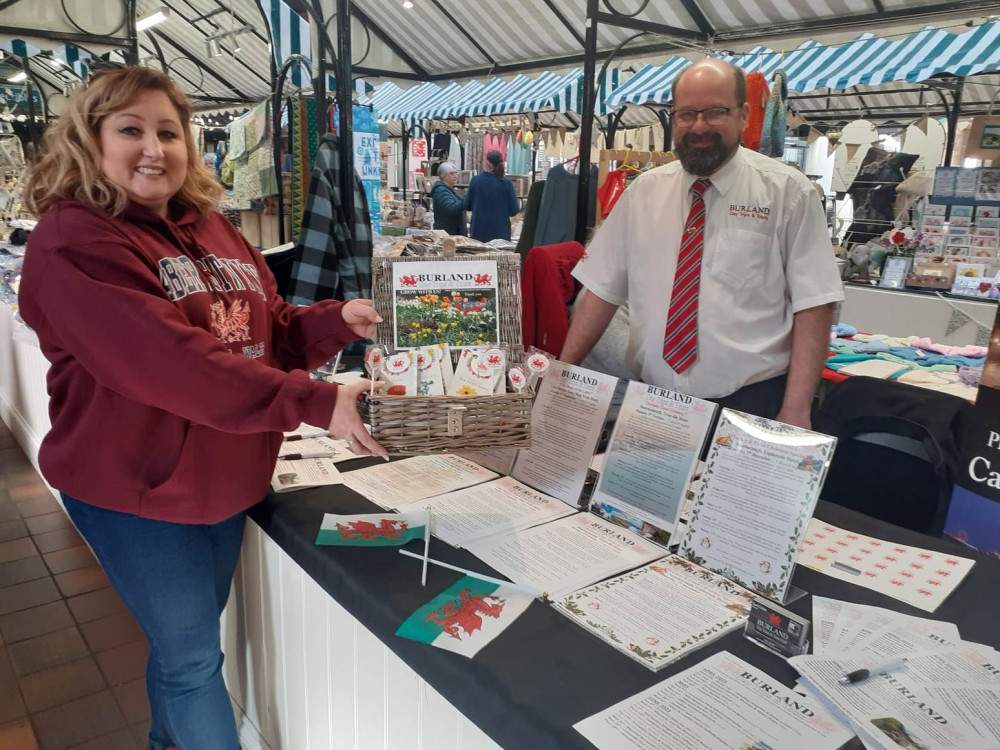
column 72, row 660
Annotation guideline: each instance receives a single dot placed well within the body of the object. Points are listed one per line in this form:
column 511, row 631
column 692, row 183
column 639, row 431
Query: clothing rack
column 638, row 159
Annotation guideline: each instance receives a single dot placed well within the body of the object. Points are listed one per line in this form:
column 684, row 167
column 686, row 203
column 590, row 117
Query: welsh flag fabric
column 465, row 616
column 372, row 529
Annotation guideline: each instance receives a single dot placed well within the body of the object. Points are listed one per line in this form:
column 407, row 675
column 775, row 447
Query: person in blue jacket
column 449, row 211
column 492, row 201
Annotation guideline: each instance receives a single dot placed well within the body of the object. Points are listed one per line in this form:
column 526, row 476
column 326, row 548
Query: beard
column 703, row 160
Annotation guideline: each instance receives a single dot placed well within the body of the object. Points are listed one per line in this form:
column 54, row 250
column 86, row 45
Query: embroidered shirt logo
column 762, row 213
column 231, row 326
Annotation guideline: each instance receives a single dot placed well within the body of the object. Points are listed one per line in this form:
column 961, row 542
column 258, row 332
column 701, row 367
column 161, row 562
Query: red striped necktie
column 680, row 341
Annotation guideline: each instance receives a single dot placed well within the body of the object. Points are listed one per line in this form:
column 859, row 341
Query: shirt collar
column 722, row 178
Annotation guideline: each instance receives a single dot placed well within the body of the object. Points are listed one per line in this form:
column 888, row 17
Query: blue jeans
column 175, row 580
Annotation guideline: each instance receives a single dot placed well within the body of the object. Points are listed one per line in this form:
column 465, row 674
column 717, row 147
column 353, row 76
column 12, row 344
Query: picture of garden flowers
column 445, row 302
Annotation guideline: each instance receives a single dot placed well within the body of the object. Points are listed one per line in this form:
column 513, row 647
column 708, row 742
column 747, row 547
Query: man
column 747, row 322
column 449, row 214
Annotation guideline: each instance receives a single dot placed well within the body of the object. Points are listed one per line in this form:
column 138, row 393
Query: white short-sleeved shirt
column 767, row 255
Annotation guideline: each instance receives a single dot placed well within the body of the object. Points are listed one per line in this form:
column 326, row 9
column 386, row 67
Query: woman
column 449, row 213
column 174, row 370
column 492, row 201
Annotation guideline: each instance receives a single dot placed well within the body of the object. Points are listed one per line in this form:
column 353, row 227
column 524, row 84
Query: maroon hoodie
column 175, row 366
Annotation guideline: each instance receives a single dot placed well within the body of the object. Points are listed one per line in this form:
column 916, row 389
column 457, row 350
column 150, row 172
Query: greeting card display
column 759, row 488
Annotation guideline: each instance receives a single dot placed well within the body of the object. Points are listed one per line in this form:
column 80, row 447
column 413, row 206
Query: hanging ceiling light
column 214, row 50
column 407, row 4
column 151, row 19
column 18, row 77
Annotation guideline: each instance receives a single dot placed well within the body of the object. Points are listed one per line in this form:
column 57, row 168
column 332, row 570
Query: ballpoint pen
column 300, row 456
column 290, row 438
column 860, row 675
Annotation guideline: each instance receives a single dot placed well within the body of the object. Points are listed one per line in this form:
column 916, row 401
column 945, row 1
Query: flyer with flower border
column 662, row 612
column 445, row 302
column 760, row 486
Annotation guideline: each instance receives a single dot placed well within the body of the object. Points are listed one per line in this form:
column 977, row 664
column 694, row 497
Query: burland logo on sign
column 750, row 212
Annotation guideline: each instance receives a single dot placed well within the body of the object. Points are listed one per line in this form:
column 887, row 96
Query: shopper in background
column 492, row 201
column 724, row 260
column 174, row 370
column 449, row 211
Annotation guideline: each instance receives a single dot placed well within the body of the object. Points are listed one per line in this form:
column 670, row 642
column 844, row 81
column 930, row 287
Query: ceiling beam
column 380, row 73
column 564, row 21
column 879, row 8
column 217, row 27
column 699, row 17
column 18, row 32
column 197, row 61
column 464, row 32
column 638, row 24
column 389, row 42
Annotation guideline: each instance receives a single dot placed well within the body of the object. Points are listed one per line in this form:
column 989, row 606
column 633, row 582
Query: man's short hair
column 739, row 81
column 446, row 167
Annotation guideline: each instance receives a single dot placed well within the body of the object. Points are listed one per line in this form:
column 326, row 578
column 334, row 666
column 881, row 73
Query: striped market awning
column 549, row 92
column 868, row 61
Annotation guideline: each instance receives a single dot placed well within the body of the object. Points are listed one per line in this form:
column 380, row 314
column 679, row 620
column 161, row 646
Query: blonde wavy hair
column 71, row 166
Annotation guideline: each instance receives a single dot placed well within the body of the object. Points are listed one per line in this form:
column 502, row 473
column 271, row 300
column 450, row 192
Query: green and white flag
column 466, row 616
column 372, row 529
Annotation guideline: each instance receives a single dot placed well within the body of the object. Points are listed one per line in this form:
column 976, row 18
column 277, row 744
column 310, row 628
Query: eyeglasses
column 713, row 116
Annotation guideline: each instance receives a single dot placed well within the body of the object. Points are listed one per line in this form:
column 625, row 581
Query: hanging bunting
column 921, row 124
column 982, row 335
column 956, row 321
column 813, row 136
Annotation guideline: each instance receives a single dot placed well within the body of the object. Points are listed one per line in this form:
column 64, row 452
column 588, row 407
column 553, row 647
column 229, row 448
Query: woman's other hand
column 346, row 423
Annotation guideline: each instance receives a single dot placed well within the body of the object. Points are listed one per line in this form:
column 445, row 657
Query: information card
column 759, row 488
column 566, row 422
column 651, row 458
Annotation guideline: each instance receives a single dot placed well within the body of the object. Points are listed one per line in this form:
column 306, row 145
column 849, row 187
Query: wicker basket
column 415, row 425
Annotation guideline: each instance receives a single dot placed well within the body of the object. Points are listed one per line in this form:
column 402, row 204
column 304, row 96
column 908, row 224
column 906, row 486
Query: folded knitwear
column 970, row 350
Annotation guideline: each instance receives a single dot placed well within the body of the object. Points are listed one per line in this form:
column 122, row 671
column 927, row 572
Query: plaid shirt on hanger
column 328, row 264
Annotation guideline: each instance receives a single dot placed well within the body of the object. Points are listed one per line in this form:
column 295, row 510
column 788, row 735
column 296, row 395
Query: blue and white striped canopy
column 868, row 60
column 520, row 95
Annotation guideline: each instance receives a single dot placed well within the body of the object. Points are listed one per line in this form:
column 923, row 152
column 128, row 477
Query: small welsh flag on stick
column 466, row 616
column 372, row 529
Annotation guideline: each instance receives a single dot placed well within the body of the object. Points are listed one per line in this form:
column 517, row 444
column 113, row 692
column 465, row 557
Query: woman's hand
column 346, row 423
column 360, row 317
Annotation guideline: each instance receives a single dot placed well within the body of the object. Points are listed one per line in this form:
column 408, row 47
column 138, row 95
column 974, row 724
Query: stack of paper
column 304, row 473
column 722, row 702
column 946, row 693
column 913, row 575
column 394, row 484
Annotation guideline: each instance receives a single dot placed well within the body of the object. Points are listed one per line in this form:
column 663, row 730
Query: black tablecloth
column 527, row 688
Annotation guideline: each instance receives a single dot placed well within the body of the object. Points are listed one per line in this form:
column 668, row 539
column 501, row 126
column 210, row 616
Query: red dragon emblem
column 483, row 279
column 494, row 360
column 467, row 613
column 231, row 326
column 774, row 619
column 407, row 280
column 366, row 531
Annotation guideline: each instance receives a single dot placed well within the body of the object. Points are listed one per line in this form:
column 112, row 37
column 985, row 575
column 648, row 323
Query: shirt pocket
column 739, row 258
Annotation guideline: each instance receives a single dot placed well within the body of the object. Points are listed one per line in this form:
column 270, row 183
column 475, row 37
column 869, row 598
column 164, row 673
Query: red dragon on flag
column 467, row 613
column 407, row 280
column 483, row 279
column 367, row 531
